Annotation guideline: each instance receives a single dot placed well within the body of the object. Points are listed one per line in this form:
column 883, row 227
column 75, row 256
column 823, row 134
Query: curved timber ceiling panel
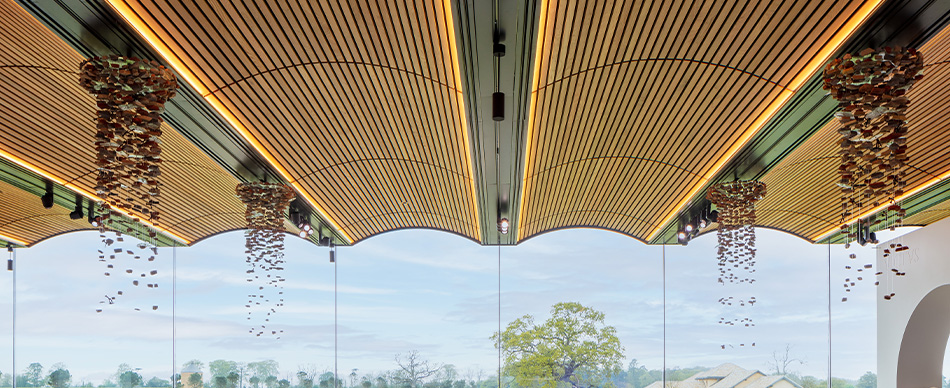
column 803, row 195
column 636, row 105
column 24, row 219
column 357, row 103
column 47, row 121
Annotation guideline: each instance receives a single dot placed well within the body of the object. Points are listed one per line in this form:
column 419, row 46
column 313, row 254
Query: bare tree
column 413, row 369
column 782, row 360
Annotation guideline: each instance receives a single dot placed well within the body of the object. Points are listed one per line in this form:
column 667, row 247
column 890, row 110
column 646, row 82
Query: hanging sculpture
column 735, row 202
column 871, row 89
column 130, row 96
column 266, row 204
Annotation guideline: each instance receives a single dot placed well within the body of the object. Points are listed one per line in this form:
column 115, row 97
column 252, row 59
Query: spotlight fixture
column 76, row 214
column 689, row 228
column 48, row 197
column 703, row 223
column 332, row 253
column 713, row 216
column 305, row 230
column 91, row 215
column 503, row 225
column 10, row 260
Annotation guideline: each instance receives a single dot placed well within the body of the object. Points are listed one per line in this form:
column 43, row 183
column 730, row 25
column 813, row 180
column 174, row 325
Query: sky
column 435, row 293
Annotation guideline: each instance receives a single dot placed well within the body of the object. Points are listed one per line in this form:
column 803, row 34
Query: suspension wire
column 13, row 348
column 829, row 312
column 664, row 315
column 174, row 306
column 499, row 314
column 336, row 375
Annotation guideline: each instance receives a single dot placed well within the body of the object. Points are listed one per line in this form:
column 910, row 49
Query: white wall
column 927, row 264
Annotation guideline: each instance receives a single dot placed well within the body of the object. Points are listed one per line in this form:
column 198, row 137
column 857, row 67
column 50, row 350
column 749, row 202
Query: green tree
column 219, row 382
column 130, row 379
column 263, row 369
column 221, row 368
column 573, row 347
column 283, row 383
column 59, row 378
column 194, row 380
column 270, row 381
column 176, row 380
column 157, row 382
column 33, row 376
column 868, row 380
column 233, row 379
column 195, row 365
column 107, row 384
column 255, row 381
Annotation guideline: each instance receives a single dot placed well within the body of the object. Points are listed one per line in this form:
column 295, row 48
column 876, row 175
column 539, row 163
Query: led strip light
column 83, row 192
column 132, row 18
column 816, row 63
column 884, row 206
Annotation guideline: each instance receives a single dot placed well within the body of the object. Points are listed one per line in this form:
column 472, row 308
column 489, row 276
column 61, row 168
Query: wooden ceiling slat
column 375, row 102
column 802, row 187
column 53, row 101
column 631, row 114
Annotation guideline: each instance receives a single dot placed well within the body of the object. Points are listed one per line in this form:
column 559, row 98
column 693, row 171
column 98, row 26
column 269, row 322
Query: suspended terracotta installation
column 266, row 204
column 871, row 89
column 735, row 202
column 130, row 97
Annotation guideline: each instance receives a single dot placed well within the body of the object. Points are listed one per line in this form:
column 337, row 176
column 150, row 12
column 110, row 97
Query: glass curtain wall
column 74, row 328
column 428, row 301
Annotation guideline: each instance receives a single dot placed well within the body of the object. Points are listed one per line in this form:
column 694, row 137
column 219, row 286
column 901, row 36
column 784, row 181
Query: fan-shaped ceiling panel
column 803, row 194
column 24, row 220
column 47, row 125
column 358, row 104
column 636, row 106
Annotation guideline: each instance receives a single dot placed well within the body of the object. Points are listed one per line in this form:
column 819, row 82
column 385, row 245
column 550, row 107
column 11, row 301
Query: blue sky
column 436, row 293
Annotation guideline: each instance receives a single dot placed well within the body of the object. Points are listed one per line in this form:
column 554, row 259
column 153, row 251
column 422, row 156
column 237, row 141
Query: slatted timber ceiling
column 357, row 103
column 23, row 217
column 803, row 196
column 635, row 104
column 930, row 215
column 47, row 121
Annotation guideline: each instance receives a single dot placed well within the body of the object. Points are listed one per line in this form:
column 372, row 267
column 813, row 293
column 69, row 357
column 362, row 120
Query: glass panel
column 424, row 291
column 61, row 285
column 776, row 325
column 605, row 271
column 854, row 321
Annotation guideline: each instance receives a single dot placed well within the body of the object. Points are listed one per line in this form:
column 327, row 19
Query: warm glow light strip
column 13, row 240
column 535, row 78
column 816, row 63
column 884, row 206
column 83, row 192
column 450, row 24
column 132, row 18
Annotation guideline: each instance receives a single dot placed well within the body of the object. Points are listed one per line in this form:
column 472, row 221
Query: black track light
column 498, row 106
column 10, row 260
column 76, row 214
column 91, row 215
column 48, row 197
column 503, row 225
column 713, row 216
